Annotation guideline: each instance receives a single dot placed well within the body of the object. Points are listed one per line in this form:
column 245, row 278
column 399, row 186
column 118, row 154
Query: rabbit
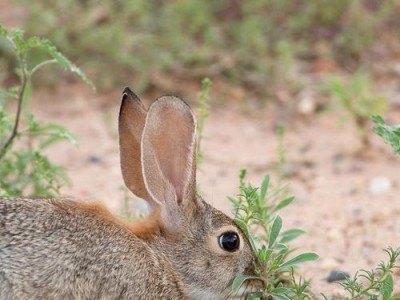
column 185, row 249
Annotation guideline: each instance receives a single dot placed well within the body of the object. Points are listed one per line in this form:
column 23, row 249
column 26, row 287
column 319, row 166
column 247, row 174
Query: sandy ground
column 348, row 225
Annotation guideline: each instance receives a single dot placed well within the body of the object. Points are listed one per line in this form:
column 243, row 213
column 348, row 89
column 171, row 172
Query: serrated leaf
column 46, row 46
column 299, row 259
column 275, row 229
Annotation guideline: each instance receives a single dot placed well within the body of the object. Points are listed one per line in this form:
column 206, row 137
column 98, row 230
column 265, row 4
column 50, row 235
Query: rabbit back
column 67, row 250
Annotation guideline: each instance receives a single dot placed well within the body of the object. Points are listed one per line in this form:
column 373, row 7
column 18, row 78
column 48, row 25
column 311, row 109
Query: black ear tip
column 128, row 92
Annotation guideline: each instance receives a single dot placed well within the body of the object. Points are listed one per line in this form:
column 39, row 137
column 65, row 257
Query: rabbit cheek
column 226, row 262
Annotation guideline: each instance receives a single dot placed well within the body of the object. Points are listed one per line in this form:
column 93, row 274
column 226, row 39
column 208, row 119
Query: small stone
column 381, row 216
column 94, row 159
column 337, row 276
column 335, row 235
column 307, row 105
column 380, row 185
column 329, row 264
column 290, row 170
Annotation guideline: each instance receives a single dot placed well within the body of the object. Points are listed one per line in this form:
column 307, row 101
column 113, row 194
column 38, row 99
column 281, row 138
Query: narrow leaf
column 299, row 259
column 275, row 229
column 284, row 203
column 290, row 235
column 239, row 280
column 387, row 287
column 264, row 187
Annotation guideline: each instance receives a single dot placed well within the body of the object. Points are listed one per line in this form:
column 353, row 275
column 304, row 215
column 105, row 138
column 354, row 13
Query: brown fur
column 144, row 229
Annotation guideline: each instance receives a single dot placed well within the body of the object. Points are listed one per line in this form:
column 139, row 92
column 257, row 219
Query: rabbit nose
column 249, row 270
column 259, row 284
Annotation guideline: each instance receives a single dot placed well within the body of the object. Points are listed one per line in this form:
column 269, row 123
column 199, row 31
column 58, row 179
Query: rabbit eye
column 229, row 241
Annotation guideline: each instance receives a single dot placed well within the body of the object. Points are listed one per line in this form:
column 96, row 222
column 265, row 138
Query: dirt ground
column 348, row 223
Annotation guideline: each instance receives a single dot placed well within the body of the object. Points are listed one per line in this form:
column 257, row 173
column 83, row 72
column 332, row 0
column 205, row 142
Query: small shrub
column 357, row 98
column 250, row 43
column 203, row 112
column 256, row 214
column 24, row 167
column 376, row 284
column 390, row 134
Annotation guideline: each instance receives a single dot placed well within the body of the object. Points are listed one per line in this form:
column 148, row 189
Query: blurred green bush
column 251, row 43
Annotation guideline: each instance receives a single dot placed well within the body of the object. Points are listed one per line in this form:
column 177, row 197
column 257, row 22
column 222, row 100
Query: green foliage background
column 248, row 43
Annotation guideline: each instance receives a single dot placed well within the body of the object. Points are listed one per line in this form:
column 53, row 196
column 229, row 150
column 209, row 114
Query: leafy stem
column 14, row 132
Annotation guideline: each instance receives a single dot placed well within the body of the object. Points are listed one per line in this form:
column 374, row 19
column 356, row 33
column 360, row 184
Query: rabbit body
column 66, row 250
column 185, row 249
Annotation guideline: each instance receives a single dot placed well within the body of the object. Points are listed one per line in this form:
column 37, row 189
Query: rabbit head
column 158, row 161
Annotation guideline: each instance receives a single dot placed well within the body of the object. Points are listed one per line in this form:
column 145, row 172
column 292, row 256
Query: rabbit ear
column 168, row 153
column 132, row 116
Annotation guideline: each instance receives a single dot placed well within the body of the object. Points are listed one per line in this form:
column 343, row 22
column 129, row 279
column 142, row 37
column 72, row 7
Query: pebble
column 380, row 185
column 335, row 235
column 95, row 159
column 329, row 264
column 337, row 276
column 306, row 106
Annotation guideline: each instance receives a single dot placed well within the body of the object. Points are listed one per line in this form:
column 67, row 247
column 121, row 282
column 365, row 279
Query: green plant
column 203, row 113
column 390, row 134
column 376, row 284
column 24, row 168
column 146, row 40
column 359, row 101
column 256, row 214
column 281, row 151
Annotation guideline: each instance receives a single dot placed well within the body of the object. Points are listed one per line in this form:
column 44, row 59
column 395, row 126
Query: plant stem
column 46, row 62
column 4, row 147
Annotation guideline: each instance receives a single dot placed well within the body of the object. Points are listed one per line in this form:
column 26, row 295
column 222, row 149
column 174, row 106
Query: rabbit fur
column 64, row 249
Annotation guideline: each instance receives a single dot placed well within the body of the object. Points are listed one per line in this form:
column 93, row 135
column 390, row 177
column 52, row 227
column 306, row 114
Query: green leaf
column 3, row 31
column 290, row 235
column 280, row 296
column 275, row 229
column 390, row 134
column 46, row 46
column 264, row 187
column 387, row 287
column 299, row 259
column 239, row 280
column 255, row 295
column 284, row 203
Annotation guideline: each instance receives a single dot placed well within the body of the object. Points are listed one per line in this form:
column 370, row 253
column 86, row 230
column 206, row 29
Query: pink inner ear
column 173, row 150
column 168, row 145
